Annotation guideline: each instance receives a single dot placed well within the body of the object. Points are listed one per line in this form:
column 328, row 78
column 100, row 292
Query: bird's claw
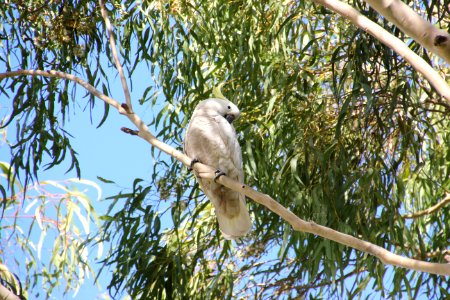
column 218, row 173
column 193, row 162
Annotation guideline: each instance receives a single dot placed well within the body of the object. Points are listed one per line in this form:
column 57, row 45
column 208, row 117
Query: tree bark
column 407, row 20
column 391, row 41
column 6, row 294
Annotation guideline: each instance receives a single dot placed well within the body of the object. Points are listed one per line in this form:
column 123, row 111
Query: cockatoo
column 211, row 140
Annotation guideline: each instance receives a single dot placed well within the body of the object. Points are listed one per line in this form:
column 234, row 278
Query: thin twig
column 413, row 248
column 112, row 43
column 312, row 285
column 433, row 254
column 429, row 210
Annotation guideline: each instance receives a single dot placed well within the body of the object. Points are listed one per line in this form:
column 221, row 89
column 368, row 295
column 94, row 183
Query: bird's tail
column 232, row 213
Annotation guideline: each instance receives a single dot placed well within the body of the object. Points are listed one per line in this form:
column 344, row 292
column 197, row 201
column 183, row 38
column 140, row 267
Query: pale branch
column 407, row 20
column 391, row 41
column 205, row 171
column 6, row 294
column 429, row 210
column 9, row 279
column 298, row 224
column 112, row 43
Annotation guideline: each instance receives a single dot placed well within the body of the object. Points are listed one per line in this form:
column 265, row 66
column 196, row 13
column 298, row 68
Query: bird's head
column 222, row 107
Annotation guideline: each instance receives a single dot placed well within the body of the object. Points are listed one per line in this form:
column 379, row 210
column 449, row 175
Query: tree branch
column 429, row 210
column 112, row 43
column 9, row 279
column 205, row 171
column 392, row 42
column 407, row 20
column 6, row 294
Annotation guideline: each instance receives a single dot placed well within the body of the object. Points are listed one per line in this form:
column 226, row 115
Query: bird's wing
column 203, row 141
column 231, row 158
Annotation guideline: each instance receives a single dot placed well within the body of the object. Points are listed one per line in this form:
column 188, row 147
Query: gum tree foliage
column 43, row 234
column 334, row 125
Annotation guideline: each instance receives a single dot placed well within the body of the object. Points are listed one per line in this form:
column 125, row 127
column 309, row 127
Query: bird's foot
column 218, row 173
column 193, row 162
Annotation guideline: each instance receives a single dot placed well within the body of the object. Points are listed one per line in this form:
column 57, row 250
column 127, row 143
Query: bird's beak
column 230, row 118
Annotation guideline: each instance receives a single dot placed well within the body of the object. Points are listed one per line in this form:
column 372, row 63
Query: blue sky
column 106, row 152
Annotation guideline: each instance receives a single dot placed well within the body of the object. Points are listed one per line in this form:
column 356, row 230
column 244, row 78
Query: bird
column 211, row 139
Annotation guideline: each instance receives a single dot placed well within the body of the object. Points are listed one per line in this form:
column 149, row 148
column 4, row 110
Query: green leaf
column 104, row 180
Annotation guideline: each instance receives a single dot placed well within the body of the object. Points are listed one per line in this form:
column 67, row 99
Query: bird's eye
column 229, row 107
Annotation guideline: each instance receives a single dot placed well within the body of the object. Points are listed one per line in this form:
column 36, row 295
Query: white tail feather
column 231, row 211
column 235, row 226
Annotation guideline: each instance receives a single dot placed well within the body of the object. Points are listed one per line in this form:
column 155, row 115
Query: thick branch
column 112, row 43
column 401, row 15
column 392, row 42
column 298, row 224
column 429, row 210
column 6, row 294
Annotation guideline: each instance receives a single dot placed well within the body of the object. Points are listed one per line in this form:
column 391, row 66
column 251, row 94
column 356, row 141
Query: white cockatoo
column 211, row 140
